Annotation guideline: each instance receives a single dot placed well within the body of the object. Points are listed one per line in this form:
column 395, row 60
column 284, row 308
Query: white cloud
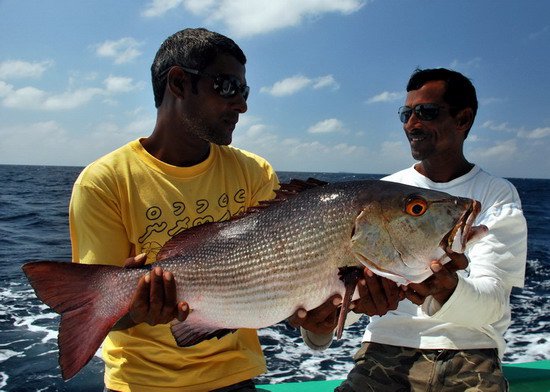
column 17, row 69
column 490, row 100
column 245, row 18
column 287, row 86
column 52, row 143
column 540, row 33
column 118, row 84
column 502, row 127
column 296, row 83
column 330, row 125
column 122, row 51
column 70, row 99
column 160, row 7
column 499, row 151
column 5, row 89
column 33, row 98
column 326, row 81
column 309, row 154
column 386, row 96
column 26, row 97
column 473, row 63
column 537, row 133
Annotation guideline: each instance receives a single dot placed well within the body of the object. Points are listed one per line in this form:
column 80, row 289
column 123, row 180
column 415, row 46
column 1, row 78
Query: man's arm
column 497, row 263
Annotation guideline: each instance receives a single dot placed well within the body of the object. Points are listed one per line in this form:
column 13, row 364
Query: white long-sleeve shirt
column 478, row 312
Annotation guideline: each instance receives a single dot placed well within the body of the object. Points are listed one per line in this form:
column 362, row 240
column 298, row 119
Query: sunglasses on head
column 227, row 86
column 424, row 111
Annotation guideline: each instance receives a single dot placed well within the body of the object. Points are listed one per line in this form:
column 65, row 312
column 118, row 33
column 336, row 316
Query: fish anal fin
column 188, row 334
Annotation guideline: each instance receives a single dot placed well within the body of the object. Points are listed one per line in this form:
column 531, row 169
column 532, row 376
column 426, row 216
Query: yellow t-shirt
column 129, row 202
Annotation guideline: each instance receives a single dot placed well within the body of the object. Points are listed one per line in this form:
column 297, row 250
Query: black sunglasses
column 227, row 86
column 424, row 111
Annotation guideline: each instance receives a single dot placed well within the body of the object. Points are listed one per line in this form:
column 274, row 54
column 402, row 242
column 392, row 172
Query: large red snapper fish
column 258, row 269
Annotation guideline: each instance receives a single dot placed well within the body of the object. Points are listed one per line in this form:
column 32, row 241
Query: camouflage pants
column 380, row 367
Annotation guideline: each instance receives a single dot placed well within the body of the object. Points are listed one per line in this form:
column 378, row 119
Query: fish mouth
column 464, row 229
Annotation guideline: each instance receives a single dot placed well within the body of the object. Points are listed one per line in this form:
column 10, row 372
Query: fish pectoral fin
column 350, row 276
column 188, row 334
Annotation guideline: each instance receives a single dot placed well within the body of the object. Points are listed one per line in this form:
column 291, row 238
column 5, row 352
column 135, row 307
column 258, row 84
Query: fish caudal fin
column 89, row 301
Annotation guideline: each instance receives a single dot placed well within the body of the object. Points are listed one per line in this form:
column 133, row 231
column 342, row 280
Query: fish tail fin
column 89, row 301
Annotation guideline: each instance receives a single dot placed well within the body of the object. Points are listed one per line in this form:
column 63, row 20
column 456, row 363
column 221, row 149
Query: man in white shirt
column 447, row 334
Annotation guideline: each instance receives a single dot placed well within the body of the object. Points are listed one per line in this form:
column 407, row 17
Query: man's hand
column 442, row 284
column 377, row 295
column 155, row 300
column 321, row 320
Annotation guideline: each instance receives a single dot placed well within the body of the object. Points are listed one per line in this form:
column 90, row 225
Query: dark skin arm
column 442, row 284
column 155, row 300
column 377, row 296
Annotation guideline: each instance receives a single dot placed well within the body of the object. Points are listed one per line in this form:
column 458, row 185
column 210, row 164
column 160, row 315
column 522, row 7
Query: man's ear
column 175, row 82
column 465, row 119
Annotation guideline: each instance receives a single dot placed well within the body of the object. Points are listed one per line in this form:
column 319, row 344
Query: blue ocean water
column 33, row 225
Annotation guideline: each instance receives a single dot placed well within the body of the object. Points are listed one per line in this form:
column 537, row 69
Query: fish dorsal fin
column 196, row 235
column 287, row 190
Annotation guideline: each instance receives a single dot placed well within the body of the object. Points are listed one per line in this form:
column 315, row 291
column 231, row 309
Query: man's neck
column 180, row 152
column 443, row 172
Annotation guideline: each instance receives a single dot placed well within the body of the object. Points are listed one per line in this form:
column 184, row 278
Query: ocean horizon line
column 277, row 171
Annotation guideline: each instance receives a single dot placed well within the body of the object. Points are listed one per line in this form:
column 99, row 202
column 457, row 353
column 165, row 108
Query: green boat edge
column 523, row 377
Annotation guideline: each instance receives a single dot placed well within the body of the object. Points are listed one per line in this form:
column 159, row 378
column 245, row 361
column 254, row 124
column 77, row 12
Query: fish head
column 401, row 230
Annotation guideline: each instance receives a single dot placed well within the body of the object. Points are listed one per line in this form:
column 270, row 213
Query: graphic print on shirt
column 202, row 207
column 181, row 224
column 152, row 214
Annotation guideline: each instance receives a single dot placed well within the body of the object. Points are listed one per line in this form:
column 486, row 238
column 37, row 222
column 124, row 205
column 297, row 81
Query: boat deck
column 523, row 377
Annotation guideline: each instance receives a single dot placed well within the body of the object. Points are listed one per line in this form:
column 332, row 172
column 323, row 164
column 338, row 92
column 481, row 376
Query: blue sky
column 326, row 77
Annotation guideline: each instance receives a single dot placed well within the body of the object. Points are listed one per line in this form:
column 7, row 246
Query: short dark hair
column 193, row 48
column 460, row 93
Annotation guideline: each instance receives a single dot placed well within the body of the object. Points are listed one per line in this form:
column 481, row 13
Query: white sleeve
column 497, row 263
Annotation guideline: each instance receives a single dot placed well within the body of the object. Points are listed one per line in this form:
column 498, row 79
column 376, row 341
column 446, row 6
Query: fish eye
column 416, row 206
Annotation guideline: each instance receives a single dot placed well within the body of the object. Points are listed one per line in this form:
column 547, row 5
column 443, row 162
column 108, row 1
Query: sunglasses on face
column 227, row 86
column 424, row 111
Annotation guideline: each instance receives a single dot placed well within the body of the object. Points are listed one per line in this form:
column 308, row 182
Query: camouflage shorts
column 380, row 367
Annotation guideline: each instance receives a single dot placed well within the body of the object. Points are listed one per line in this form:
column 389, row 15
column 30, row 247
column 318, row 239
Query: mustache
column 417, row 132
column 231, row 117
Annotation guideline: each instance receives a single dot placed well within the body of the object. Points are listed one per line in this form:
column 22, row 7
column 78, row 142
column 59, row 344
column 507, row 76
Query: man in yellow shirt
column 128, row 203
